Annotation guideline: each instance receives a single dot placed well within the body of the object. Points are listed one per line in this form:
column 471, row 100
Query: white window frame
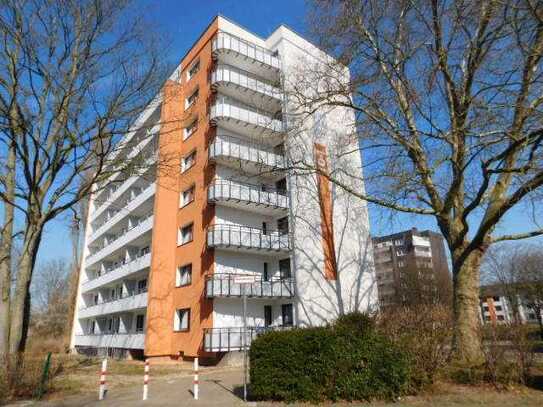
column 181, row 239
column 192, row 98
column 190, row 129
column 195, row 64
column 181, row 320
column 183, row 200
column 181, row 274
column 184, row 165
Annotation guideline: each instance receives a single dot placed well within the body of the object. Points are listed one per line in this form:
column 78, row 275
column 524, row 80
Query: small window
column 140, row 323
column 190, row 129
column 184, row 275
column 142, row 286
column 185, row 235
column 188, row 161
column 193, row 70
column 187, row 196
column 192, row 98
column 182, row 320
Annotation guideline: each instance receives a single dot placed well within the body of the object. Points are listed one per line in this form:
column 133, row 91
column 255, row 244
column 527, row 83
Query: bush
column 424, row 333
column 341, row 361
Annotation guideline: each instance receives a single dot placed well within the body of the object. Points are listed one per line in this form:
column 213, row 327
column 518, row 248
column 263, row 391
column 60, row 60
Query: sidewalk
column 216, row 389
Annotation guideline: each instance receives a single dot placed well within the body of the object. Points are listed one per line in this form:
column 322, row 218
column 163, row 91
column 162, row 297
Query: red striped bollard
column 102, row 390
column 146, row 380
column 195, row 391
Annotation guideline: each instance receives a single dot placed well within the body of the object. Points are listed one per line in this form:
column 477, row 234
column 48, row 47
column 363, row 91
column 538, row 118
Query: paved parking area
column 222, row 388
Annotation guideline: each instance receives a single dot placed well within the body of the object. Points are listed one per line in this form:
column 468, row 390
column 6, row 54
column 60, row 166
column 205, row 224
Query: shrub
column 349, row 360
column 424, row 333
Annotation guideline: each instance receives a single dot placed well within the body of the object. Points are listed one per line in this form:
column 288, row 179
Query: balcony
column 117, row 273
column 119, row 340
column 144, row 225
column 231, row 339
column 246, row 120
column 235, row 237
column 133, row 301
column 238, row 153
column 247, row 196
column 246, row 87
column 224, row 285
column 233, row 50
column 131, row 204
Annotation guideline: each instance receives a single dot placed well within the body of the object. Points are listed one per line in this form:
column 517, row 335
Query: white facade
column 267, row 216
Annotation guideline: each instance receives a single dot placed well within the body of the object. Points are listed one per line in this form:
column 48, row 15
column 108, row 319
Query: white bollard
column 195, row 379
column 102, row 390
column 146, row 380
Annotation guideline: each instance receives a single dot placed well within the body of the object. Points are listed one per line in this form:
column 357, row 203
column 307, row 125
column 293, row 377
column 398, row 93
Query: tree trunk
column 20, row 304
column 467, row 344
column 6, row 247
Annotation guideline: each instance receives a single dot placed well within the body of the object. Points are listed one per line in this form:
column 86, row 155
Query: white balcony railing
column 229, row 75
column 243, row 237
column 223, row 190
column 237, row 149
column 230, row 43
column 231, row 339
column 129, row 205
column 224, row 285
column 117, row 340
column 228, row 109
column 130, row 302
column 144, row 225
column 109, row 275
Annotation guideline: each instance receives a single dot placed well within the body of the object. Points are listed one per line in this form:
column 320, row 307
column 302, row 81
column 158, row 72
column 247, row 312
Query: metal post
column 146, row 380
column 244, row 343
column 102, row 389
column 196, row 381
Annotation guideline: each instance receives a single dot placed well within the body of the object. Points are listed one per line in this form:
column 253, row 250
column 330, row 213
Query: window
column 190, row 129
column 286, row 313
column 192, row 98
column 496, row 298
column 501, row 318
column 193, row 70
column 142, row 286
column 498, row 307
column 267, row 315
column 266, row 276
column 144, row 250
column 95, row 299
column 281, row 185
column 183, row 275
column 182, row 320
column 113, row 325
column 185, row 235
column 140, row 323
column 188, row 161
column 282, row 225
column 187, row 196
column 284, row 268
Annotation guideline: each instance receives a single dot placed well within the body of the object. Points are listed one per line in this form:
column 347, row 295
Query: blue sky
column 184, row 21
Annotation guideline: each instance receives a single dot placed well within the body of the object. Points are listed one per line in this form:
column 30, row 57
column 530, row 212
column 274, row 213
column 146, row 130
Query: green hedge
column 348, row 361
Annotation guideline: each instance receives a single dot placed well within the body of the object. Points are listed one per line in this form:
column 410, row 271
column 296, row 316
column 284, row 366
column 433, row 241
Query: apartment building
column 164, row 248
column 411, row 267
column 498, row 308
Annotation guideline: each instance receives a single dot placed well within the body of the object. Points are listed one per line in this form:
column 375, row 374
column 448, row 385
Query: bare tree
column 447, row 96
column 74, row 75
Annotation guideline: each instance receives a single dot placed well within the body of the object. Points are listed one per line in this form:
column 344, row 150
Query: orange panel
column 164, row 297
column 325, row 202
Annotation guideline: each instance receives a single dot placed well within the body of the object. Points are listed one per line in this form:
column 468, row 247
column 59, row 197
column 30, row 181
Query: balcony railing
column 117, row 271
column 243, row 237
column 237, row 149
column 128, row 340
column 231, row 339
column 224, row 285
column 230, row 43
column 228, row 109
column 246, row 193
column 133, row 300
column 238, row 77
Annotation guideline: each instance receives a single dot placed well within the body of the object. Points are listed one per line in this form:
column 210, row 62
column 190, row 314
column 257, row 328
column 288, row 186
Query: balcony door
column 284, row 268
column 268, row 319
column 287, row 315
column 282, row 226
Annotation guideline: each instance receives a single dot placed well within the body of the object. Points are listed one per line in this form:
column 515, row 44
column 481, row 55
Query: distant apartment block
column 496, row 306
column 411, row 267
column 164, row 248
